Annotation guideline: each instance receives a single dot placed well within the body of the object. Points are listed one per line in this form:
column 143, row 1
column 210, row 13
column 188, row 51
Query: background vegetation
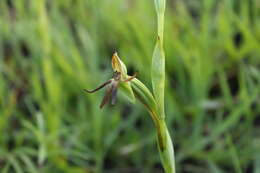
column 51, row 50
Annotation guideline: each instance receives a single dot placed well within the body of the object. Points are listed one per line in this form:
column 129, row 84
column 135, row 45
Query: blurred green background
column 51, row 50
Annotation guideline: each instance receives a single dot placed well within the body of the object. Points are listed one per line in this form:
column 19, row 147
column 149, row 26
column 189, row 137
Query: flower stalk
column 164, row 141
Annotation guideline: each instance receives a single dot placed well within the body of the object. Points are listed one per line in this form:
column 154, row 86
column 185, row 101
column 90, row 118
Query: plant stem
column 158, row 79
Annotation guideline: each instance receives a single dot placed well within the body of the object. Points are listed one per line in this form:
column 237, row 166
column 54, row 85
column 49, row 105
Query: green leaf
column 29, row 163
column 158, row 76
column 15, row 164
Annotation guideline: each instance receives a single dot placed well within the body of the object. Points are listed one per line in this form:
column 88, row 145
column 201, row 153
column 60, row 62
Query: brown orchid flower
column 113, row 84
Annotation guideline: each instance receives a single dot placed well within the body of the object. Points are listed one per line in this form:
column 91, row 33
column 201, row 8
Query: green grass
column 51, row 50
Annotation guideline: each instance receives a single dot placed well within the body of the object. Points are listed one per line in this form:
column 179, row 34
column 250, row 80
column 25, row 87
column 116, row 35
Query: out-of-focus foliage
column 51, row 50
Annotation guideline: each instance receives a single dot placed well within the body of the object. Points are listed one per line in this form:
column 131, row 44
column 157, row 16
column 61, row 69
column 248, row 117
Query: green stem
column 164, row 141
column 160, row 26
column 158, row 80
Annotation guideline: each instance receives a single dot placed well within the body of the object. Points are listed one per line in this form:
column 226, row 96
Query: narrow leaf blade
column 158, row 76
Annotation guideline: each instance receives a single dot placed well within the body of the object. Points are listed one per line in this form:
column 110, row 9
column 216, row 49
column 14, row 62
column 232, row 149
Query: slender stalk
column 164, row 141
